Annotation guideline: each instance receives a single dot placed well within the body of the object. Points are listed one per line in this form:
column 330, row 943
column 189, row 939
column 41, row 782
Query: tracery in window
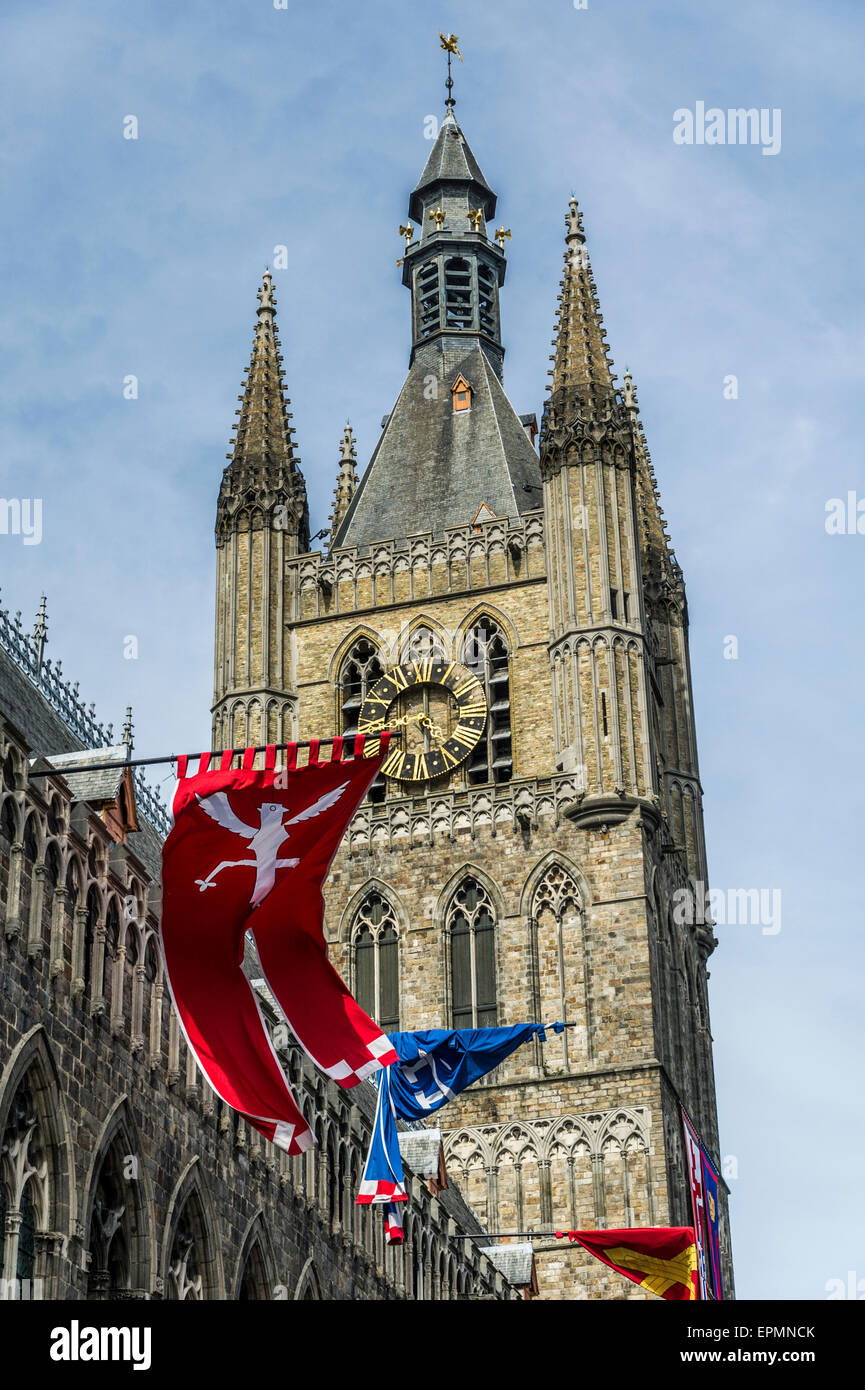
column 23, row 1182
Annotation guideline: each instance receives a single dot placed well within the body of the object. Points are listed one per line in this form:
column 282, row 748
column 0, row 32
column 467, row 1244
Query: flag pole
column 172, row 757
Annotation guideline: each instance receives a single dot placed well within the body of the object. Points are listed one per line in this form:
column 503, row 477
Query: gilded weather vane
column 449, row 44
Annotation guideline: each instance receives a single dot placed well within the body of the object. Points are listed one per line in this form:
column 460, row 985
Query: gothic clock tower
column 518, row 619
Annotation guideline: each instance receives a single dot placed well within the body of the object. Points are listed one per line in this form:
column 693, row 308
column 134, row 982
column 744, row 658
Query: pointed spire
column 40, row 634
column 263, row 432
column 658, row 560
column 263, row 458
column 451, row 163
column 346, row 481
column 582, row 370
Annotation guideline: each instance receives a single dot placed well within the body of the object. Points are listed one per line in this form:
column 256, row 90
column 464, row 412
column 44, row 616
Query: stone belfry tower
column 519, row 620
column 262, row 518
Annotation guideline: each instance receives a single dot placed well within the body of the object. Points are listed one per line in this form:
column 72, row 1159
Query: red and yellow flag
column 662, row 1259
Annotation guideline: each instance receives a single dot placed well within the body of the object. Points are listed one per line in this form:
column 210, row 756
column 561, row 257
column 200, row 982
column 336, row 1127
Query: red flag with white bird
column 248, row 852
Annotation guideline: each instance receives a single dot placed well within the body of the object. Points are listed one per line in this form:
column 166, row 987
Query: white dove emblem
column 264, row 840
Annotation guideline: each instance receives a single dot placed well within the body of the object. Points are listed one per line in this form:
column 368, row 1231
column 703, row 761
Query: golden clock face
column 441, row 752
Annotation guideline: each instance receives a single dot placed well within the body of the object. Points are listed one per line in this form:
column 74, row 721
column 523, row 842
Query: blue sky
column 305, row 127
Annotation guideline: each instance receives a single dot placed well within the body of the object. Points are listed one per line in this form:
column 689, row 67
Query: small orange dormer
column 462, row 394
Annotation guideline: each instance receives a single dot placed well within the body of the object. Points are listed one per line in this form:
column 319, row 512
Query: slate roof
column 92, row 786
column 420, row 1150
column 33, row 716
column 451, row 161
column 513, row 1261
column 42, row 728
column 434, row 467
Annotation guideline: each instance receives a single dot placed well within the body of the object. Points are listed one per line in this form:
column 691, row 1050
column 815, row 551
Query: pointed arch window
column 423, row 644
column 361, row 668
column 111, row 1229
column 486, row 654
column 254, row 1284
column 558, row 964
column 471, row 933
column 376, row 961
column 24, row 1179
column 185, row 1279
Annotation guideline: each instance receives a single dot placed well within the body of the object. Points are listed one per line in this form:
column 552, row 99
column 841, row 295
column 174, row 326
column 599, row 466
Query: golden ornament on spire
column 438, row 216
column 408, row 232
column 449, row 44
column 476, row 217
column 501, row 233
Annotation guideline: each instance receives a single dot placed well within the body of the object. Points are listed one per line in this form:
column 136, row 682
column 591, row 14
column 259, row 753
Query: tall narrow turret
column 596, row 609
column 262, row 519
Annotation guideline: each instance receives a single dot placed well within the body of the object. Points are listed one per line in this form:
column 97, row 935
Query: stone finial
column 40, row 634
column 574, row 220
column 266, row 298
column 346, row 481
column 128, row 728
column 630, row 394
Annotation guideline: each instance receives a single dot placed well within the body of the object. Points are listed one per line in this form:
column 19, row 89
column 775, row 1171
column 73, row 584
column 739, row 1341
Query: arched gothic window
column 485, row 653
column 559, row 962
column 184, row 1272
column 254, row 1284
column 422, row 645
column 23, row 1182
column 376, row 961
column 111, row 1224
column 471, row 931
column 360, row 670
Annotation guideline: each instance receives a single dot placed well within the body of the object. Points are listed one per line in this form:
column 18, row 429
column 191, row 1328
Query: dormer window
column 462, row 394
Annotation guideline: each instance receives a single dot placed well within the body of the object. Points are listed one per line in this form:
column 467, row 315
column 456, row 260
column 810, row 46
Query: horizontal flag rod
column 507, row 1235
column 172, row 757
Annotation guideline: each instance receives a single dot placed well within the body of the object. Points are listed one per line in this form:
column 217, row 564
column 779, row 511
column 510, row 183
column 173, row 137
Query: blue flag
column 432, row 1067
column 710, row 1187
